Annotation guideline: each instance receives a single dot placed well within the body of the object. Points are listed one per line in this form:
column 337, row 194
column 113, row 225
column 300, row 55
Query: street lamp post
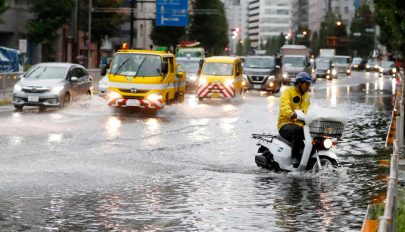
column 89, row 35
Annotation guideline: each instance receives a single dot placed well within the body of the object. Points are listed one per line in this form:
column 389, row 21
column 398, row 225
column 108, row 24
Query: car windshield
column 322, row 64
column 371, row 62
column 294, row 61
column 188, row 66
column 387, row 64
column 217, row 69
column 356, row 61
column 342, row 60
column 130, row 64
column 259, row 62
column 46, row 73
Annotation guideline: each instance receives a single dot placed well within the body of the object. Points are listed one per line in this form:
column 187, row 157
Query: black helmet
column 303, row 77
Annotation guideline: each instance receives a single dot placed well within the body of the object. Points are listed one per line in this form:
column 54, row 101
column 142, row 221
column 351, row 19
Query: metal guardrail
column 387, row 221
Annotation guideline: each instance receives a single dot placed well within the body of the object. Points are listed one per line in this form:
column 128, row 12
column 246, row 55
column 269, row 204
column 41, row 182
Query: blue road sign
column 172, row 13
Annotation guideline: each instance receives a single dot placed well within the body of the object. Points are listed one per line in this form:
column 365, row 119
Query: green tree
column 281, row 41
column 102, row 23
column 210, row 29
column 239, row 48
column 247, row 47
column 327, row 28
column 314, row 44
column 362, row 41
column 3, row 7
column 167, row 36
column 48, row 18
column 390, row 16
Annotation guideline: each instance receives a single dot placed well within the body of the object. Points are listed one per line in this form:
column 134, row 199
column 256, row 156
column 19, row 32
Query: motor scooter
column 321, row 132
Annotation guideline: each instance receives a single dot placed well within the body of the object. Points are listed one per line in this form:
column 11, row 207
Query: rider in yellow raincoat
column 294, row 98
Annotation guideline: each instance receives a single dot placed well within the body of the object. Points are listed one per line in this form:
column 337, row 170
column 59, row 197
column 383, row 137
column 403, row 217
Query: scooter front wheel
column 326, row 163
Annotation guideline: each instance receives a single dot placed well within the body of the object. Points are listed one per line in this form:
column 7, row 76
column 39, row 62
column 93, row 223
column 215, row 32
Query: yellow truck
column 144, row 79
column 221, row 77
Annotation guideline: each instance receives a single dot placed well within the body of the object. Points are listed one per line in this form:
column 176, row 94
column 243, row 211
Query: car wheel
column 18, row 107
column 65, row 100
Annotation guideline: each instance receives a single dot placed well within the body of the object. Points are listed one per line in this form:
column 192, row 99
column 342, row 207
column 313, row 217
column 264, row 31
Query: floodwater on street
column 189, row 168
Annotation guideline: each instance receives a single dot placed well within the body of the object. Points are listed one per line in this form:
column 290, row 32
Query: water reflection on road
column 189, row 168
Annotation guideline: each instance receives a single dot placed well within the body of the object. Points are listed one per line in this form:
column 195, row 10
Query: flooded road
column 189, row 168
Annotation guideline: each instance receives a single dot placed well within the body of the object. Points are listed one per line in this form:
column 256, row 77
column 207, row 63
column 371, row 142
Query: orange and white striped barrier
column 216, row 89
column 144, row 104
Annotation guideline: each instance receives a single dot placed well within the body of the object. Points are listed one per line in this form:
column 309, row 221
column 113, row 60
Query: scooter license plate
column 33, row 98
column 132, row 103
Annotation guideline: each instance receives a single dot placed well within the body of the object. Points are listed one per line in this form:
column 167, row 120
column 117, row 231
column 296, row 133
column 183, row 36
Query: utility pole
column 131, row 23
column 89, row 35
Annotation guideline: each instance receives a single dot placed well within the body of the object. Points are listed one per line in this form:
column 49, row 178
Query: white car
column 103, row 86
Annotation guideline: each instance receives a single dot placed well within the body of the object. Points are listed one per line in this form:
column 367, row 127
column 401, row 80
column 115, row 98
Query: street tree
column 167, row 36
column 362, row 36
column 3, row 7
column 209, row 25
column 390, row 17
column 48, row 18
column 327, row 28
column 314, row 43
column 103, row 23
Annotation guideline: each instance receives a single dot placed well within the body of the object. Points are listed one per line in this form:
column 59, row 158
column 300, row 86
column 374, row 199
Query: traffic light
column 235, row 32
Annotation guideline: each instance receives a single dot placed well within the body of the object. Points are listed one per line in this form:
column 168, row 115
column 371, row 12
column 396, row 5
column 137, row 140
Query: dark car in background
column 324, row 68
column 262, row 73
column 343, row 64
column 51, row 85
column 358, row 64
column 372, row 65
column 191, row 66
column 387, row 68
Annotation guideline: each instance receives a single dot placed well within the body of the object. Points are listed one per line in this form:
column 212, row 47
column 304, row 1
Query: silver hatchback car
column 51, row 85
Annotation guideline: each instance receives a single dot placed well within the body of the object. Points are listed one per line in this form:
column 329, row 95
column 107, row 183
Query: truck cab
column 144, row 79
column 221, row 77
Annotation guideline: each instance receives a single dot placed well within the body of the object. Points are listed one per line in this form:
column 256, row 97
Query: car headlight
column 57, row 89
column 381, row 70
column 192, row 78
column 229, row 82
column 367, row 66
column 112, row 95
column 334, row 71
column 376, row 66
column 328, row 72
column 17, row 87
column 272, row 78
column 394, row 70
column 327, row 143
column 202, row 81
column 285, row 75
column 154, row 97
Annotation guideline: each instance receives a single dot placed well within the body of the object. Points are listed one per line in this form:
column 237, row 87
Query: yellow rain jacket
column 291, row 100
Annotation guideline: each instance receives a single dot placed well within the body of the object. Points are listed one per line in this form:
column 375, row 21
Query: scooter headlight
column 327, row 143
